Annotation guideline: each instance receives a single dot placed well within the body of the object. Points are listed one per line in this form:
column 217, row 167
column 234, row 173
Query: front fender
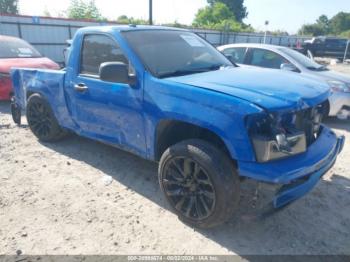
column 219, row 113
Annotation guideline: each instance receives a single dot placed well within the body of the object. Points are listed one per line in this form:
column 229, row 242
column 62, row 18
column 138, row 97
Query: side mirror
column 116, row 72
column 288, row 67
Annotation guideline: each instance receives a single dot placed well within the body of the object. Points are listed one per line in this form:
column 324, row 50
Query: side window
column 335, row 42
column 267, row 59
column 98, row 49
column 237, row 54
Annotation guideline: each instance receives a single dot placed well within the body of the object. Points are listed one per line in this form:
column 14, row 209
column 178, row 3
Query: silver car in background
column 284, row 58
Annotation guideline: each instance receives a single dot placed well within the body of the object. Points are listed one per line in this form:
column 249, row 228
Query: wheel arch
column 31, row 92
column 170, row 131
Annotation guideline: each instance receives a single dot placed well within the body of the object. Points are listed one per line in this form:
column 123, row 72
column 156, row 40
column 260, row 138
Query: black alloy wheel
column 200, row 182
column 39, row 119
column 42, row 120
column 189, row 188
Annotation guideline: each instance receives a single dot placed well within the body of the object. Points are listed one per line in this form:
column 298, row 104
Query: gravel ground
column 59, row 199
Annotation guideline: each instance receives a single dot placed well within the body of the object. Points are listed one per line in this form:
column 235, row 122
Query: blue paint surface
column 127, row 117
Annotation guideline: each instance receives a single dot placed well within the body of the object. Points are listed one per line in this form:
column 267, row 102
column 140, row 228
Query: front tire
column 200, row 183
column 42, row 121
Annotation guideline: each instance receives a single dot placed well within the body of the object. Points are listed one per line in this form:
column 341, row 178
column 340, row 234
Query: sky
column 286, row 15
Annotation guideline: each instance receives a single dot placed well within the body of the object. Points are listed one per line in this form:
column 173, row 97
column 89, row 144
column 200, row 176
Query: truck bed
column 49, row 83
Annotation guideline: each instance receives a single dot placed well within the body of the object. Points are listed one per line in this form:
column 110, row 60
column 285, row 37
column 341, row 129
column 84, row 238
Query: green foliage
column 335, row 26
column 123, row 19
column 345, row 34
column 324, row 23
column 340, row 23
column 83, row 9
column 213, row 14
column 9, row 7
column 218, row 17
column 46, row 12
column 235, row 6
column 176, row 24
column 277, row 32
column 312, row 30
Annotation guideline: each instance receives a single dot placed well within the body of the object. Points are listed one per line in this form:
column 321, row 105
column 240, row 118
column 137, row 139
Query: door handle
column 80, row 87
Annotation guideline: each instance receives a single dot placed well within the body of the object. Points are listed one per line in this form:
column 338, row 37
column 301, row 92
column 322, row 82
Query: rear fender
column 48, row 83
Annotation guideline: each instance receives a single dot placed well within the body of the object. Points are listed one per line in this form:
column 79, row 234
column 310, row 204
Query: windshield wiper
column 320, row 68
column 191, row 71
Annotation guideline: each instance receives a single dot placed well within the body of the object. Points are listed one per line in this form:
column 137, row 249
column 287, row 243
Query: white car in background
column 283, row 58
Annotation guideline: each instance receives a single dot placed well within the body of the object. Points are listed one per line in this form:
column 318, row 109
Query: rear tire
column 16, row 111
column 200, row 183
column 42, row 121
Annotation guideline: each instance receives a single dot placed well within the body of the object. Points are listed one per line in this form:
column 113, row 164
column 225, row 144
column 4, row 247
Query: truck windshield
column 16, row 48
column 167, row 53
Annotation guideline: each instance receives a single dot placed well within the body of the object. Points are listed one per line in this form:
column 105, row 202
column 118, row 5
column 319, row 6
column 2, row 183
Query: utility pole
column 266, row 24
column 150, row 12
column 346, row 51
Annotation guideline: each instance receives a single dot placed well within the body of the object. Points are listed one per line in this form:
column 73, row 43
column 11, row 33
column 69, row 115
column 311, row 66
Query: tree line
column 338, row 25
column 218, row 15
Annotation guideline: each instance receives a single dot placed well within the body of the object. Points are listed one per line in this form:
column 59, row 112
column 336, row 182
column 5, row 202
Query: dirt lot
column 57, row 199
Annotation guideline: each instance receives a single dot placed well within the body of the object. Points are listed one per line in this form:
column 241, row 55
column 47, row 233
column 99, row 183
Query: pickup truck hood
column 269, row 89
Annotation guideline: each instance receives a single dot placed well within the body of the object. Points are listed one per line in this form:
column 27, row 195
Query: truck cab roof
column 124, row 28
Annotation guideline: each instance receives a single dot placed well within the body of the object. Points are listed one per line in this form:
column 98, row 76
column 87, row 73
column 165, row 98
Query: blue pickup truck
column 167, row 95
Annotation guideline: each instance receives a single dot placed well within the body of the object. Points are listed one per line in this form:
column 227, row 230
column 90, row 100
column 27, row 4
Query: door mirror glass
column 288, row 67
column 116, row 72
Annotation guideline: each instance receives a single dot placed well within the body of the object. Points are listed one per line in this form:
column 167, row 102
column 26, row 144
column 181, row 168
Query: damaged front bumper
column 300, row 173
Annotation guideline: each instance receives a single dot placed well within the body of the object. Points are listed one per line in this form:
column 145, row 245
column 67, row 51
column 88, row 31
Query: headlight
column 338, row 86
column 274, row 137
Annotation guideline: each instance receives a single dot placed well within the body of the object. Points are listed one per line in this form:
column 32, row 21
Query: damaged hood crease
column 272, row 90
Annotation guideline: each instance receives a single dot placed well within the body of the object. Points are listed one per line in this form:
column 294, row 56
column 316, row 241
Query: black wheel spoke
column 176, row 192
column 178, row 168
column 34, row 122
column 170, row 182
column 189, row 207
column 187, row 167
column 204, row 204
column 196, row 170
column 40, row 108
column 189, row 188
column 40, row 119
column 198, row 208
column 176, row 175
column 179, row 204
column 204, row 181
column 208, row 194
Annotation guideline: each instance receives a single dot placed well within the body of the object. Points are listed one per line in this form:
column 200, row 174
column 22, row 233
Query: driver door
column 106, row 111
